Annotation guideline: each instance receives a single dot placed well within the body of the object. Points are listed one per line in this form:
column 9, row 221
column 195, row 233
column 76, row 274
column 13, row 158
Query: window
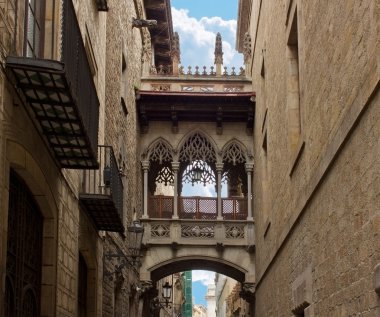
column 82, row 287
column 34, row 28
column 293, row 87
column 24, row 251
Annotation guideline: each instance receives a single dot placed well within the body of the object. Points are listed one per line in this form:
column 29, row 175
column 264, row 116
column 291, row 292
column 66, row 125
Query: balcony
column 62, row 96
column 102, row 193
column 197, row 208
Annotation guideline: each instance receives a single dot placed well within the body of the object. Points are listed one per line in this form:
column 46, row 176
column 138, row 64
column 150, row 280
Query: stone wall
column 68, row 231
column 317, row 202
column 122, row 75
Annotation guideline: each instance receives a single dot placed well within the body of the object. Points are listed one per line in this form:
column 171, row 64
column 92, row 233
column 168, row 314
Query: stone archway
column 198, row 263
column 21, row 161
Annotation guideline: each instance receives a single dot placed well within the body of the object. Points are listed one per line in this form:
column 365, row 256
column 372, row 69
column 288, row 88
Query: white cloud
column 198, row 190
column 206, row 277
column 197, row 39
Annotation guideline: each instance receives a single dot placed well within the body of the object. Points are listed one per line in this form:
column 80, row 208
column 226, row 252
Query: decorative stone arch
column 201, row 133
column 197, row 150
column 159, row 146
column 159, row 154
column 234, row 156
column 231, row 150
column 29, row 170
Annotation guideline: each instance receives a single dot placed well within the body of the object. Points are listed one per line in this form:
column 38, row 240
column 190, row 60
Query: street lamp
column 135, row 232
column 167, row 292
column 196, row 174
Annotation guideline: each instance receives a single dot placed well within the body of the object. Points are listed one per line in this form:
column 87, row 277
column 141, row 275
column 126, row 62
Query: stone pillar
column 247, row 53
column 176, row 54
column 219, row 170
column 145, row 167
column 249, row 170
column 218, row 55
column 175, row 167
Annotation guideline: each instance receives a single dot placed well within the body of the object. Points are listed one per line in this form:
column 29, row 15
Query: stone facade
column 68, row 232
column 316, row 72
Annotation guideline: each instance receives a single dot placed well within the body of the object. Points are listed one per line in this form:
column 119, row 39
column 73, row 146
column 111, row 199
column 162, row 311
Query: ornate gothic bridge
column 197, row 130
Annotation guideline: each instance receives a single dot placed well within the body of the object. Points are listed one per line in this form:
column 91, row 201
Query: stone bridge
column 179, row 245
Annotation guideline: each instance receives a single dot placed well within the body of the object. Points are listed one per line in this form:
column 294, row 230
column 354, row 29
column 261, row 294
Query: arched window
column 24, row 250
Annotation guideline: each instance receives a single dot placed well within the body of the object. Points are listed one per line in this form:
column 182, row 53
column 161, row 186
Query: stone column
column 176, row 54
column 219, row 170
column 145, row 167
column 175, row 167
column 249, row 169
column 218, row 55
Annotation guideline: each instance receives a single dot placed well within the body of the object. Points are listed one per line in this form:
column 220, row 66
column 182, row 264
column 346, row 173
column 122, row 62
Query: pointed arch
column 160, row 150
column 198, row 262
column 234, row 152
column 160, row 156
column 197, row 145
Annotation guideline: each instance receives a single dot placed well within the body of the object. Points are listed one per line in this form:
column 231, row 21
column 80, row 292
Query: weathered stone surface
column 323, row 202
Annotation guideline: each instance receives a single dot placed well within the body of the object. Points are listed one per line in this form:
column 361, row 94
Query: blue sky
column 197, row 22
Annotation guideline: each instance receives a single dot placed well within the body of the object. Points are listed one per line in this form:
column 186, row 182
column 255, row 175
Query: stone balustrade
column 197, row 71
column 207, row 232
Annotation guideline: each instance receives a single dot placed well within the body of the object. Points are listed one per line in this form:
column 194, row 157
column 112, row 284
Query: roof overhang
column 216, row 107
column 162, row 33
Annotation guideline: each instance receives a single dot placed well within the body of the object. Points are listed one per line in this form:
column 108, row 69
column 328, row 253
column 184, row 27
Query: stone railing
column 197, row 72
column 164, row 231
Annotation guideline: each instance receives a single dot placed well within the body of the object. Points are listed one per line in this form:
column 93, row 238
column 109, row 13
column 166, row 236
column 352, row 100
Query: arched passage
column 198, row 263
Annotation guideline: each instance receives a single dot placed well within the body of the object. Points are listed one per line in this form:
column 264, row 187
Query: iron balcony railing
column 102, row 192
column 62, row 95
column 162, row 207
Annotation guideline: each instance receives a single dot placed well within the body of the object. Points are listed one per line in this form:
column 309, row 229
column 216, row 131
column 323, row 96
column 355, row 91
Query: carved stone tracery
column 218, row 50
column 160, row 157
column 247, row 49
column 234, row 159
column 197, row 147
column 176, row 50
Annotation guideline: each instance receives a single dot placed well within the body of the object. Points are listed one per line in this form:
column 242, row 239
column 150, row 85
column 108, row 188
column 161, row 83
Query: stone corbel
column 144, row 287
column 248, row 291
column 140, row 23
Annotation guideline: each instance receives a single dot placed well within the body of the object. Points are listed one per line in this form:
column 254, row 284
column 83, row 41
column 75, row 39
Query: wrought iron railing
column 197, row 208
column 162, row 207
column 79, row 76
column 106, row 180
column 234, row 208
